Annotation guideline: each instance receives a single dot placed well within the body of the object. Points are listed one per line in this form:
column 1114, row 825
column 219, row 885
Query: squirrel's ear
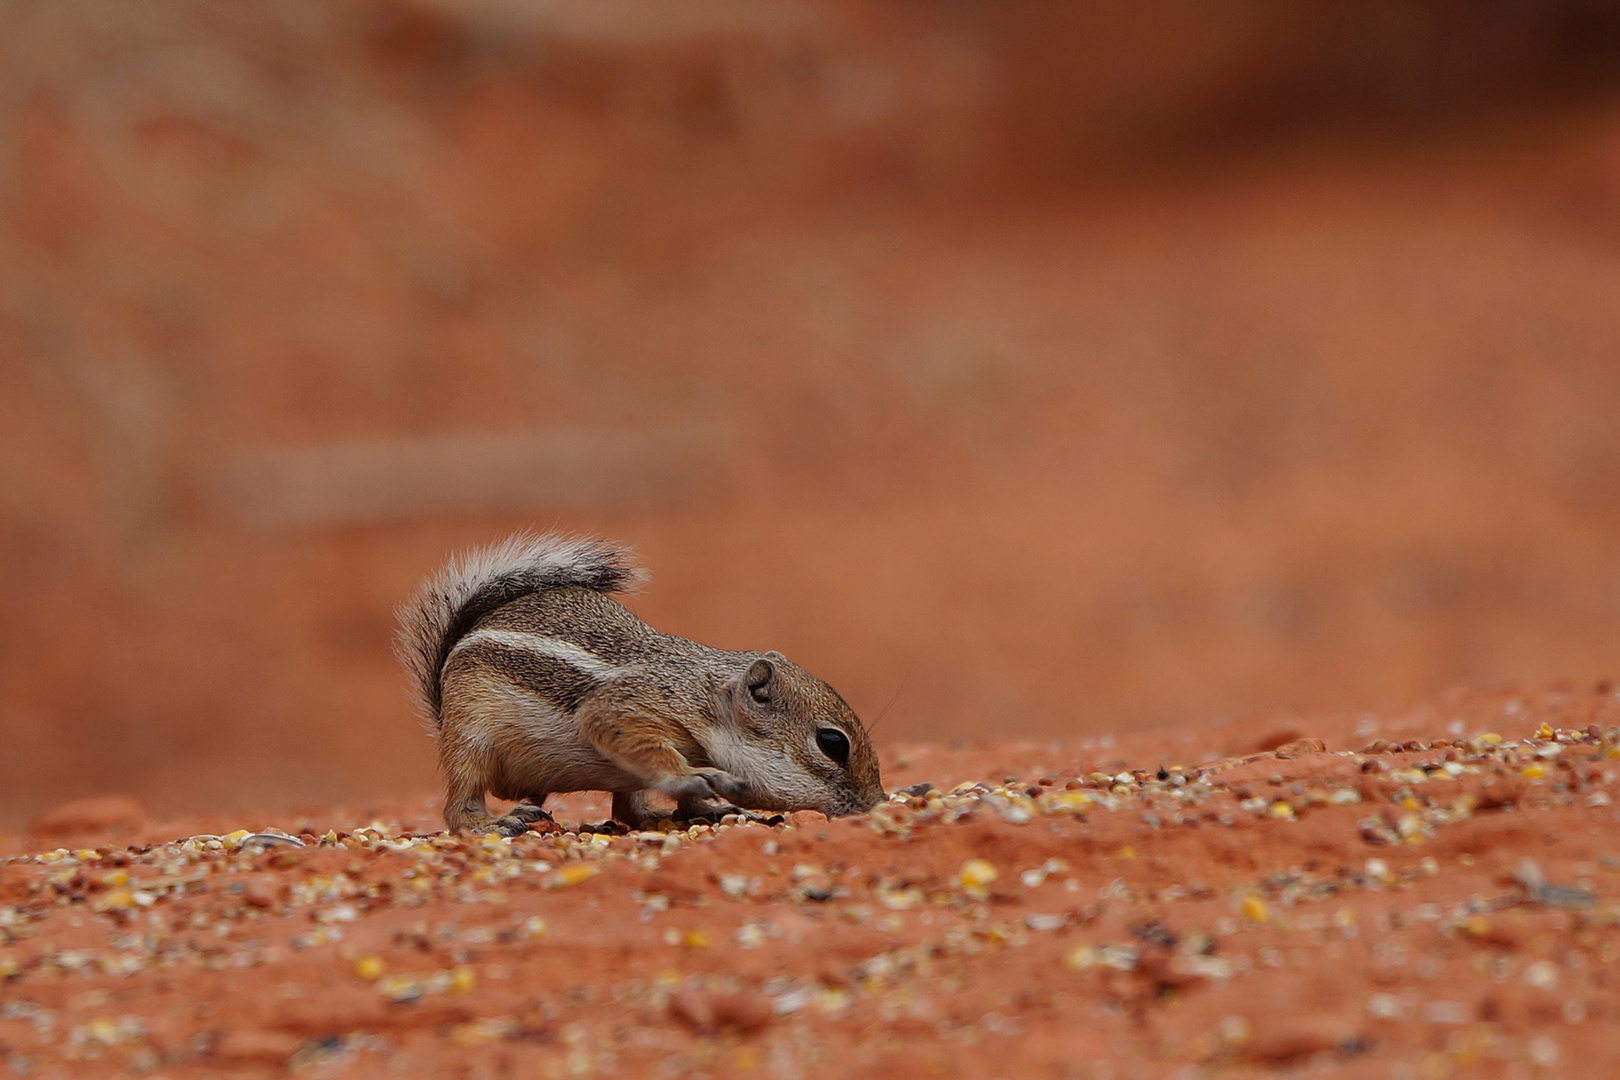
column 760, row 679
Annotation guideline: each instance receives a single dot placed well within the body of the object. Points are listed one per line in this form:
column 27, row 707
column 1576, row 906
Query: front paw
column 725, row 787
column 706, row 785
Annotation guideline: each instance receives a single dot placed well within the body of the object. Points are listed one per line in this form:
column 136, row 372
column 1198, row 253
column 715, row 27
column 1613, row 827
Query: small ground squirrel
column 537, row 681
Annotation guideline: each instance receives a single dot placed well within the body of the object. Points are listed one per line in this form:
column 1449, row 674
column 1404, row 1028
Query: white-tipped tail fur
column 473, row 584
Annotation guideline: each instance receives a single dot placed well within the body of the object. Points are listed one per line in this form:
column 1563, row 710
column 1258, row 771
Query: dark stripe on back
column 556, row 681
column 600, row 569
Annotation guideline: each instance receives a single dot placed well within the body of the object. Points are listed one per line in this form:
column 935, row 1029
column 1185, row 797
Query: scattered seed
column 975, row 877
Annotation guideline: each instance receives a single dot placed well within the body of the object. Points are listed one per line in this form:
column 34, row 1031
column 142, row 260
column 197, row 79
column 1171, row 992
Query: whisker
column 906, row 675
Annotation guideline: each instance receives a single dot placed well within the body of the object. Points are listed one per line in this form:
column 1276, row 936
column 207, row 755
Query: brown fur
column 557, row 687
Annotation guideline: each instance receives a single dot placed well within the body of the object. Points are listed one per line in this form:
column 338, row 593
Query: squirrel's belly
column 538, row 747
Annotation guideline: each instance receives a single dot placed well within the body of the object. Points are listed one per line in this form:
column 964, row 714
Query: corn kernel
column 573, row 874
column 1280, row 809
column 116, row 900
column 1080, row 958
column 463, row 979
column 1254, row 909
column 102, row 1030
column 369, row 968
column 976, row 875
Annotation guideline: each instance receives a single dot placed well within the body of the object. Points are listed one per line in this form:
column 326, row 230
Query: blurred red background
column 1018, row 372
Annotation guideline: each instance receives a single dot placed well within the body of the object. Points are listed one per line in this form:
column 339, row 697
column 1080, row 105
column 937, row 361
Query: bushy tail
column 473, row 584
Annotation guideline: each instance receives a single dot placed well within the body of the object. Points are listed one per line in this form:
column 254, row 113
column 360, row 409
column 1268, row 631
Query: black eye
column 834, row 744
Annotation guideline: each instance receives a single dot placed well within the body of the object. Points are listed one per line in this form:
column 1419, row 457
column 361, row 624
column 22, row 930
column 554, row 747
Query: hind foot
column 517, row 821
column 697, row 812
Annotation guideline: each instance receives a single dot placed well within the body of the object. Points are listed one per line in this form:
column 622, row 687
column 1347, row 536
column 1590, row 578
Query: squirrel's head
column 793, row 740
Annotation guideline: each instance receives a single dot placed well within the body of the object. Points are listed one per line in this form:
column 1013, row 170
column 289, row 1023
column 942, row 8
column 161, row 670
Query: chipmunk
column 537, row 681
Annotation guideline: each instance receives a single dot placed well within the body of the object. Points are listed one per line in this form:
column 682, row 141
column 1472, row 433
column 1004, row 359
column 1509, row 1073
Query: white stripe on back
column 550, row 647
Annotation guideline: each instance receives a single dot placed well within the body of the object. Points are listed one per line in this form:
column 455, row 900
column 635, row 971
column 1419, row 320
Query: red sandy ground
column 1263, row 908
column 1244, row 430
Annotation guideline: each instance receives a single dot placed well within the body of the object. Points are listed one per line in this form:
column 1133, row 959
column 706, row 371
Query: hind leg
column 465, row 809
column 465, row 759
column 465, row 782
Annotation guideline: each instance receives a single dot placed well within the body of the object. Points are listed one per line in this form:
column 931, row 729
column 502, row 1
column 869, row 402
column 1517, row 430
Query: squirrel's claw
column 725, row 786
column 705, row 785
column 609, row 827
column 517, row 821
column 707, row 813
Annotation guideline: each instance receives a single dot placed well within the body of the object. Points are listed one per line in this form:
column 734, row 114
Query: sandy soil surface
column 1435, row 893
